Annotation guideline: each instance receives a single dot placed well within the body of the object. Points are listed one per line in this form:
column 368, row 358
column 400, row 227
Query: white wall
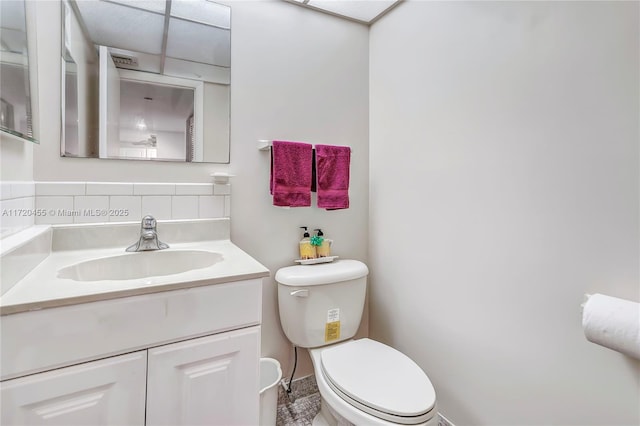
column 504, row 186
column 16, row 184
column 302, row 76
column 16, row 158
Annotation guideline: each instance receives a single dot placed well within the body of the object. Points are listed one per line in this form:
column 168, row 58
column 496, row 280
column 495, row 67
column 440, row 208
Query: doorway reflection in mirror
column 153, row 122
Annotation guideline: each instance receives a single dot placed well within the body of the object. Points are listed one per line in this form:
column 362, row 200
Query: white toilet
column 362, row 382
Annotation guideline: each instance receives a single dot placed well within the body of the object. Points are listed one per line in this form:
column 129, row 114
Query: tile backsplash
column 17, row 206
column 93, row 202
column 26, row 203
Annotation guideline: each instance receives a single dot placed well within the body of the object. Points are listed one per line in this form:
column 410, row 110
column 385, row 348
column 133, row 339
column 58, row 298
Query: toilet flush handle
column 300, row 293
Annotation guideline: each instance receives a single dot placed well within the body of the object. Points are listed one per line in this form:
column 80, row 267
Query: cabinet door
column 206, row 381
column 105, row 392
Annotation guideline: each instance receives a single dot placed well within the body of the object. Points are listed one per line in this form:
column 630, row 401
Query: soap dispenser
column 307, row 251
column 323, row 245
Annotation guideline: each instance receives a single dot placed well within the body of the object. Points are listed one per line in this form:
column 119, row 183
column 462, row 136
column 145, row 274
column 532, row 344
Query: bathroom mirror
column 146, row 80
column 16, row 116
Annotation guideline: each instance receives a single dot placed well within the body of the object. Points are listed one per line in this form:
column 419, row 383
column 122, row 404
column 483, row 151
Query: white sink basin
column 144, row 264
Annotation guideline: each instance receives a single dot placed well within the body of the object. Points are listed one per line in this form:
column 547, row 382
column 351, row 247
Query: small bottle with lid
column 307, row 251
column 323, row 245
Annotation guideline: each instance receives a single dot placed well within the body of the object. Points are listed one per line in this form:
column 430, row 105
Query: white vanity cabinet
column 205, row 381
column 187, row 356
column 105, row 392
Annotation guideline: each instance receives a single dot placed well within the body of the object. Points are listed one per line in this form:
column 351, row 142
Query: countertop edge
column 139, row 291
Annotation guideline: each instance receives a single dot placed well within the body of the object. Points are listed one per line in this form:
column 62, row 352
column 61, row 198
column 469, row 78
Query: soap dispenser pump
column 323, row 245
column 307, row 251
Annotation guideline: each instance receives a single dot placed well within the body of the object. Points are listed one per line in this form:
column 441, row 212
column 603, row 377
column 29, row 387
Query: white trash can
column 270, row 375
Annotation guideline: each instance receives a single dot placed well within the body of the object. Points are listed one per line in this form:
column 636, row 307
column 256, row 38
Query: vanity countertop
column 42, row 288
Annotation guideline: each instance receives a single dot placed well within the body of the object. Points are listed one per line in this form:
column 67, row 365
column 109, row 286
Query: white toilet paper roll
column 613, row 323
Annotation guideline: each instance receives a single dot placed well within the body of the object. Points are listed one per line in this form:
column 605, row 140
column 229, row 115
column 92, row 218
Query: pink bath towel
column 291, row 174
column 332, row 170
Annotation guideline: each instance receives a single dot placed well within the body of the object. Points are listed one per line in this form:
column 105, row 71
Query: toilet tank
column 321, row 304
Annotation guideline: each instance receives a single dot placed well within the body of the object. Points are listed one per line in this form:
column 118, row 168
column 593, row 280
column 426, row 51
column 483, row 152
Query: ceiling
column 161, row 35
column 363, row 11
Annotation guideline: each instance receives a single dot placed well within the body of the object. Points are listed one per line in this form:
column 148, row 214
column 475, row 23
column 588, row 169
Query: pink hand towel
column 332, row 170
column 291, row 174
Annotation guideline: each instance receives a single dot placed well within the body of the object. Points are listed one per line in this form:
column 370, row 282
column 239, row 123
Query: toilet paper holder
column 585, row 299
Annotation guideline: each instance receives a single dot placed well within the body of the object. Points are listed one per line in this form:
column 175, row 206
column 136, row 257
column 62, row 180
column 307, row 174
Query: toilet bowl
column 365, row 382
column 361, row 382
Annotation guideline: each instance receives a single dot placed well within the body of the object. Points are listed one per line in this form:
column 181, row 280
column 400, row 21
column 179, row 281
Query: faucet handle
column 148, row 222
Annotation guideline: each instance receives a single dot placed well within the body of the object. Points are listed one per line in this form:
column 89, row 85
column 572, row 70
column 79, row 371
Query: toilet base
column 328, row 417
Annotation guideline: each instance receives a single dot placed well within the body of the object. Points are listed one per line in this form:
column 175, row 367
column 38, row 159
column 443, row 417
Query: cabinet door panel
column 105, row 392
column 207, row 381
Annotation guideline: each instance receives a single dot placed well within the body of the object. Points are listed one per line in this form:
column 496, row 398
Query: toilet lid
column 379, row 380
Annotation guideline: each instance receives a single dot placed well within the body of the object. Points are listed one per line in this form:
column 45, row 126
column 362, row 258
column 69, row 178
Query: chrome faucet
column 148, row 237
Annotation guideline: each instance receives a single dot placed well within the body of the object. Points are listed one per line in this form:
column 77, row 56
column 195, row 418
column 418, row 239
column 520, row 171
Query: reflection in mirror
column 155, row 122
column 15, row 92
column 154, row 77
column 70, row 131
column 80, row 64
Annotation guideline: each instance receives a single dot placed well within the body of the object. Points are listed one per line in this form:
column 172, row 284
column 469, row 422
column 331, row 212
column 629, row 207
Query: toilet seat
column 380, row 381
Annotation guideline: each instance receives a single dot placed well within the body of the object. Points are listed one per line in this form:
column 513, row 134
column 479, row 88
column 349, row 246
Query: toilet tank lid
column 322, row 273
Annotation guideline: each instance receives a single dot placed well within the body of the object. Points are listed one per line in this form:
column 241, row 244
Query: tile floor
column 302, row 407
